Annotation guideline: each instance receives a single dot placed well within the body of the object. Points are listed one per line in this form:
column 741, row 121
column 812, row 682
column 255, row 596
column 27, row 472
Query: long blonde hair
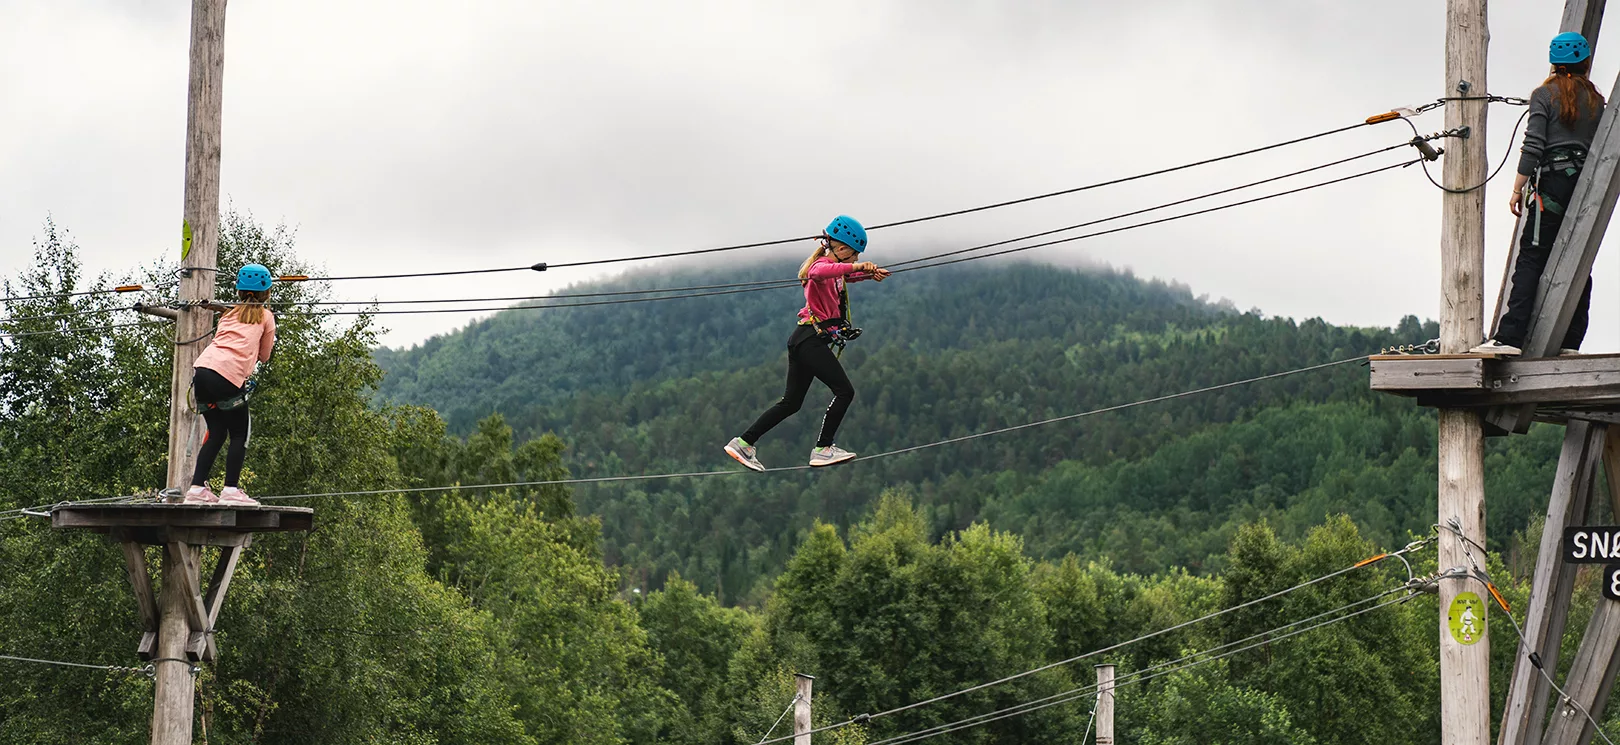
column 823, row 248
column 251, row 309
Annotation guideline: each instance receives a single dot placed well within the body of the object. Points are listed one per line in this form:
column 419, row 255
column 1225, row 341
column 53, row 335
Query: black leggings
column 211, row 387
column 810, row 357
column 1532, row 262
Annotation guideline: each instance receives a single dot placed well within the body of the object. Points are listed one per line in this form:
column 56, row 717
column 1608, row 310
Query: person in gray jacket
column 1564, row 114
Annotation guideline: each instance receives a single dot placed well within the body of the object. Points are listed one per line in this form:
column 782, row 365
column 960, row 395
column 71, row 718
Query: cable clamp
column 540, row 267
column 861, row 718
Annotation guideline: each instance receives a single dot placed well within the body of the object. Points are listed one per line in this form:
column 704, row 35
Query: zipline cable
column 1172, row 218
column 776, row 284
column 543, row 266
column 783, row 469
column 58, row 663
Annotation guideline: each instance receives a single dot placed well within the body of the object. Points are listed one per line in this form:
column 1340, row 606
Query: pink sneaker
column 200, row 494
column 233, row 495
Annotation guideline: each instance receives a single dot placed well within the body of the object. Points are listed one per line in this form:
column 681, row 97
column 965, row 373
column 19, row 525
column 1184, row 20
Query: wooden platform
column 157, row 523
column 185, row 613
column 1576, row 387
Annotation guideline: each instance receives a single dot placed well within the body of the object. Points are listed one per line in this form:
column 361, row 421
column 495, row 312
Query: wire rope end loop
column 539, row 267
column 1499, row 599
column 1369, row 560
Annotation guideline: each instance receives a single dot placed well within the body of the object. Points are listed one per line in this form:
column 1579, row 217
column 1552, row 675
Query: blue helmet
column 1568, row 48
column 253, row 278
column 847, row 231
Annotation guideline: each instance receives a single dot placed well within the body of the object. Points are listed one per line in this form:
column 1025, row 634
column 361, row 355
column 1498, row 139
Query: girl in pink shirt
column 823, row 321
column 244, row 338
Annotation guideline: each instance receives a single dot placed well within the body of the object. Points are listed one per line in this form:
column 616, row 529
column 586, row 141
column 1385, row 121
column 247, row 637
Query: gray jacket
column 1547, row 132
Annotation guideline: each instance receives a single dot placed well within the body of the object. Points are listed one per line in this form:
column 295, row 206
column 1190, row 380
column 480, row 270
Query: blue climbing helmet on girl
column 253, row 278
column 847, row 231
column 1568, row 48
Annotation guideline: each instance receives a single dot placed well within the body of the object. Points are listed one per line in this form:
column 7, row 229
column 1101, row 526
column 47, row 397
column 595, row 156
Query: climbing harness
column 1569, row 162
column 238, row 401
column 836, row 331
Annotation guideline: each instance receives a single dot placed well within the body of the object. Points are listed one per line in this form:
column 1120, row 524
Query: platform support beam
column 1552, row 586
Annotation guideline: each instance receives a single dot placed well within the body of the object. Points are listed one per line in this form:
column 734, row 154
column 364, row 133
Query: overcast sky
column 405, row 135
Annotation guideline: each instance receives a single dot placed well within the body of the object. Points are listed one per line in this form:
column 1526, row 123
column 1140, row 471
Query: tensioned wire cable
column 1190, row 661
column 1080, row 691
column 1071, row 239
column 794, row 282
column 703, row 474
column 777, row 284
column 761, row 285
column 1371, row 121
column 59, row 663
column 909, row 221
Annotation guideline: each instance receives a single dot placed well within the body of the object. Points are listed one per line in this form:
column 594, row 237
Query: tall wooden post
column 199, row 249
column 1464, row 648
column 199, row 240
column 1105, row 705
column 801, row 709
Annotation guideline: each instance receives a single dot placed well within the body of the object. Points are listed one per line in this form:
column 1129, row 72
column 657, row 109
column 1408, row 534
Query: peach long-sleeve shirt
column 238, row 346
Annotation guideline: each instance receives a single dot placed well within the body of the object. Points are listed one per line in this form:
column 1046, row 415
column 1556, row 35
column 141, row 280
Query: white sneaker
column 233, row 495
column 1492, row 346
column 745, row 454
column 829, row 456
column 1567, row 352
column 199, row 494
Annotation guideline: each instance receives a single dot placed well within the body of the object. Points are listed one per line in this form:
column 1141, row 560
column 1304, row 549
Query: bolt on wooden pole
column 1464, row 646
column 801, row 709
column 175, row 689
column 1105, row 705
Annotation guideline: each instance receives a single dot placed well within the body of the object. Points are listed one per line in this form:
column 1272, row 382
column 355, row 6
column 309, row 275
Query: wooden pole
column 199, row 248
column 199, row 244
column 801, row 709
column 1105, row 705
column 1465, row 707
column 175, row 696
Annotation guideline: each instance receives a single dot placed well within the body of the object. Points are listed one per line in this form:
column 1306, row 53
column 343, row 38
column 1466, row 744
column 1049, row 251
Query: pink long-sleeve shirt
column 238, row 346
column 825, row 287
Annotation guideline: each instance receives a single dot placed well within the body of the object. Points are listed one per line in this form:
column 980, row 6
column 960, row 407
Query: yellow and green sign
column 1466, row 618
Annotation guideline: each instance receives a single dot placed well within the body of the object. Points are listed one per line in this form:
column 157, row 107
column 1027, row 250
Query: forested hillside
column 658, row 387
column 512, row 616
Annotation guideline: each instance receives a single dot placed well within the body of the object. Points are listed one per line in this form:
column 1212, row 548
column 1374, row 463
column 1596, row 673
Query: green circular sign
column 1466, row 618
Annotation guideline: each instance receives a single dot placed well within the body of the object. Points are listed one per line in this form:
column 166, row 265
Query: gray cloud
column 414, row 135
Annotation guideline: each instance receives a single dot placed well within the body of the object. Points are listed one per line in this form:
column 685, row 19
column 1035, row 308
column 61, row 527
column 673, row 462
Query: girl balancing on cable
column 244, row 338
column 823, row 324
column 1564, row 114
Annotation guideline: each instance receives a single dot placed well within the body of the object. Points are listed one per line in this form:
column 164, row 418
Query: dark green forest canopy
column 678, row 611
